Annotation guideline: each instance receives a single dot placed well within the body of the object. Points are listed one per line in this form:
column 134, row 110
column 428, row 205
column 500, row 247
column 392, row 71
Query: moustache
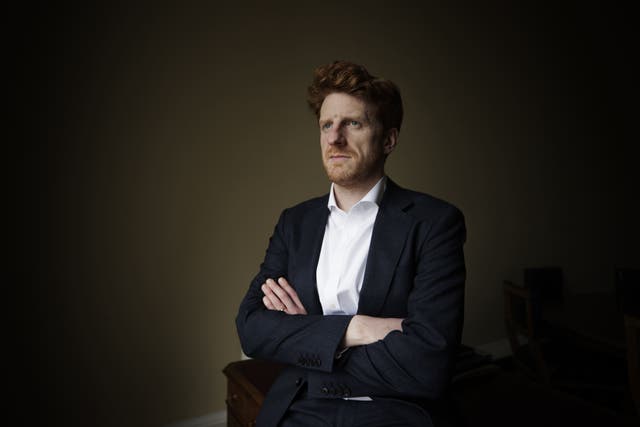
column 339, row 153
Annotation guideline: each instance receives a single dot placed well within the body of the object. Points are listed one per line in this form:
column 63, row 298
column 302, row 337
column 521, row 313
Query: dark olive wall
column 169, row 140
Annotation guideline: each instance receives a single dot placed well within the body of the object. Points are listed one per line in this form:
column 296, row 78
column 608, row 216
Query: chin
column 342, row 178
column 339, row 177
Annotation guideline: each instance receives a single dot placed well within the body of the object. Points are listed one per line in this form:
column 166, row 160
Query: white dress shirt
column 345, row 247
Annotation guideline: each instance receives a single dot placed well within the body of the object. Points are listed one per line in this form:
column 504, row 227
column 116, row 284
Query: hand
column 282, row 297
column 363, row 330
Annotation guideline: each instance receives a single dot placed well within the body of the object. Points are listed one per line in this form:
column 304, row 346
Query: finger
column 273, row 298
column 267, row 303
column 281, row 294
column 284, row 284
column 291, row 292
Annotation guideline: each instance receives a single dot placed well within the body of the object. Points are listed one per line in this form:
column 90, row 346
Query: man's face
column 351, row 141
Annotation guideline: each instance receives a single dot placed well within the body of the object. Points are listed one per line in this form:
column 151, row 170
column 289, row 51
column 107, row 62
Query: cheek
column 365, row 148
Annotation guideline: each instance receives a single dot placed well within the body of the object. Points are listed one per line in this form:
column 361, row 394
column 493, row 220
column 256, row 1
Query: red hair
column 355, row 80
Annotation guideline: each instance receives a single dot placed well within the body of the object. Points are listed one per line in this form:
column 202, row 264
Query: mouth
column 338, row 156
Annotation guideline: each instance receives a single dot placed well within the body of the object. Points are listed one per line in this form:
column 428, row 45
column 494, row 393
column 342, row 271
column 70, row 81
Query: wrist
column 363, row 330
column 354, row 335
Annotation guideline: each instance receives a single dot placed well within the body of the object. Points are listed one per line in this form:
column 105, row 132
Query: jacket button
column 325, row 390
column 298, row 381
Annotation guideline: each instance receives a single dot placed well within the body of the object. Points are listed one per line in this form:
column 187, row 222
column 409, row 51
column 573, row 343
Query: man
column 361, row 291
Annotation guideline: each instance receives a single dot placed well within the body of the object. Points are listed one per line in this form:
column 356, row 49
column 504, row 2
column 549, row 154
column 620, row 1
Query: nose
column 335, row 136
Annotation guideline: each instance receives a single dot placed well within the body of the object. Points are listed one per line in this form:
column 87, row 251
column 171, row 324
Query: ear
column 390, row 141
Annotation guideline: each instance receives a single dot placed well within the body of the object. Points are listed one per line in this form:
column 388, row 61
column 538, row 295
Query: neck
column 348, row 195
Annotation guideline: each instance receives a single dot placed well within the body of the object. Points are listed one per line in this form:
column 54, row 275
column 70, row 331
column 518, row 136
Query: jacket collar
column 389, row 235
column 390, row 232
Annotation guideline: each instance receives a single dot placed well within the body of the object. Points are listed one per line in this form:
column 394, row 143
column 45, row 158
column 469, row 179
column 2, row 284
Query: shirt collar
column 373, row 196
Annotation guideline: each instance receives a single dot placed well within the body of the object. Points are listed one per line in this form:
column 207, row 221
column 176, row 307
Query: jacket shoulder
column 433, row 216
column 302, row 210
column 309, row 204
column 425, row 206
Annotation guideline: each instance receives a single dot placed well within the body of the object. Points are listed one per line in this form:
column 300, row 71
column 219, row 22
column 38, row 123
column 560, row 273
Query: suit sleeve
column 308, row 341
column 416, row 362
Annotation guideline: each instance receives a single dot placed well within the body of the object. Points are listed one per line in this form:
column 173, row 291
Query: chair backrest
column 518, row 311
column 547, row 288
column 547, row 283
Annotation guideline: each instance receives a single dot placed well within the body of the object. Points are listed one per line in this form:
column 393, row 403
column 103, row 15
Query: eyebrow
column 356, row 117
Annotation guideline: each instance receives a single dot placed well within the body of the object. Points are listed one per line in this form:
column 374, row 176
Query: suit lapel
column 389, row 235
column 312, row 234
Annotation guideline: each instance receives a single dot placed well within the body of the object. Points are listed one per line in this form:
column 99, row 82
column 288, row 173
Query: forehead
column 343, row 105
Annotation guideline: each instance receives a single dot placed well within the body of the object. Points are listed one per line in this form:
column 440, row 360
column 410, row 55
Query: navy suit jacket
column 415, row 270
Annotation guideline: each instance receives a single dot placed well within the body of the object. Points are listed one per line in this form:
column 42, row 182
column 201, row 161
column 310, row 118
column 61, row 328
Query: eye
column 354, row 123
column 325, row 125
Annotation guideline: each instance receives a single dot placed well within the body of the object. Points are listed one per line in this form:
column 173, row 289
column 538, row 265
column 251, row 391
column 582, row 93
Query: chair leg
column 541, row 364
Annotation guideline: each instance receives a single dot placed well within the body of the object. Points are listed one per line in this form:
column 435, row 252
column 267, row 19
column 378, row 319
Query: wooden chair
column 247, row 383
column 523, row 307
column 524, row 338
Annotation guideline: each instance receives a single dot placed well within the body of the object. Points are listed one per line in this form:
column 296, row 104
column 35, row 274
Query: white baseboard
column 498, row 349
column 214, row 419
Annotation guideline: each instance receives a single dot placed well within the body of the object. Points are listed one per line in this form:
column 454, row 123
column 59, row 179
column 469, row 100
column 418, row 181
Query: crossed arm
column 362, row 330
column 387, row 356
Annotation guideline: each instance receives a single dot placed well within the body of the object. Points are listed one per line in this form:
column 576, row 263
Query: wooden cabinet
column 247, row 383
